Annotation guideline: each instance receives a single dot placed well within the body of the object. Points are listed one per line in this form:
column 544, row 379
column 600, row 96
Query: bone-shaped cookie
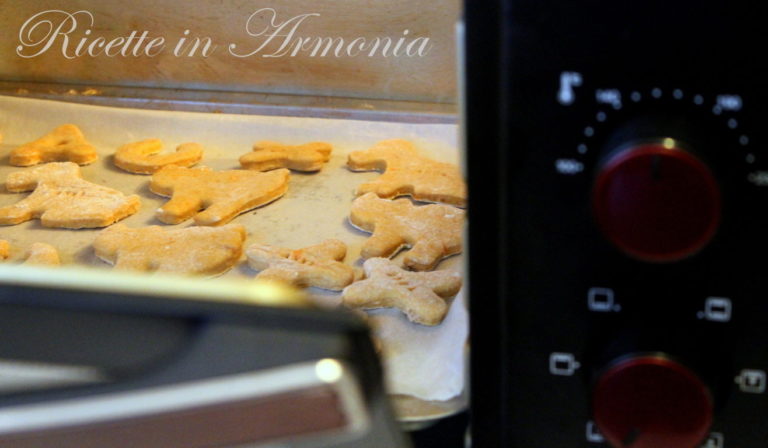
column 39, row 254
column 223, row 194
column 406, row 172
column 62, row 198
column 431, row 231
column 143, row 157
column 319, row 265
column 190, row 250
column 420, row 295
column 65, row 143
column 269, row 155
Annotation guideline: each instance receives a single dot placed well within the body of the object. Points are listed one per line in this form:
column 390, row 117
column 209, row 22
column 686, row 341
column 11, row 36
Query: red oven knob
column 657, row 202
column 652, row 402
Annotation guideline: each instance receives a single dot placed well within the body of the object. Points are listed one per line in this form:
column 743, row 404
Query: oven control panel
column 649, row 212
column 631, row 307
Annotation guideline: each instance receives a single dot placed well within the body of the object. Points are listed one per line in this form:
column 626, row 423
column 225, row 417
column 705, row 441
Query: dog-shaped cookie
column 223, row 194
column 190, row 250
column 65, row 143
column 39, row 254
column 406, row 172
column 431, row 231
column 143, row 157
column 42, row 254
column 62, row 198
column 267, row 155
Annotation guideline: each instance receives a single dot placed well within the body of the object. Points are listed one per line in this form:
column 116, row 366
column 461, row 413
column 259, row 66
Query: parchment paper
column 427, row 363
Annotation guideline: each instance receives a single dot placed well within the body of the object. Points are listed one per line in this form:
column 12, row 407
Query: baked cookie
column 268, row 155
column 62, row 198
column 431, row 231
column 420, row 295
column 223, row 194
column 406, row 172
column 41, row 254
column 319, row 265
column 65, row 143
column 143, row 158
column 191, row 250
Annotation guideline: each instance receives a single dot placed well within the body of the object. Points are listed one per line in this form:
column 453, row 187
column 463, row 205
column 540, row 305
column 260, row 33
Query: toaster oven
column 92, row 357
column 619, row 153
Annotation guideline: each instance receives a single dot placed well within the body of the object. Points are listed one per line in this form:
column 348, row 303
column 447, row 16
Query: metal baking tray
column 315, row 207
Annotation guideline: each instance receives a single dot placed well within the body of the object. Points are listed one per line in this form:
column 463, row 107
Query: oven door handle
column 319, row 399
column 92, row 367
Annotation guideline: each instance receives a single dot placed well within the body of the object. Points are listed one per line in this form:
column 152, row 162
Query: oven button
column 656, row 202
column 651, row 401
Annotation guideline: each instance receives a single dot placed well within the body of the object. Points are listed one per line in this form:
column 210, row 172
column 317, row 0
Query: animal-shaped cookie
column 420, row 295
column 431, row 231
column 406, row 172
column 319, row 265
column 223, row 194
column 39, row 254
column 268, row 155
column 191, row 250
column 65, row 143
column 62, row 198
column 143, row 158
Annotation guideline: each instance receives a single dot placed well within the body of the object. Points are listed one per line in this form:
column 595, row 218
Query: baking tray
column 425, row 367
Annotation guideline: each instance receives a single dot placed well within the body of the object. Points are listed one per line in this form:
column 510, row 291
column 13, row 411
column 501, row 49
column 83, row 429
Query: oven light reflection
column 328, row 370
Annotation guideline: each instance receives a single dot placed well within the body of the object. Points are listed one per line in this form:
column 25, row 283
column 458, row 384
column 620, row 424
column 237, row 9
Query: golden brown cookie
column 41, row 254
column 191, row 250
column 420, row 295
column 5, row 250
column 65, row 143
column 223, row 194
column 143, row 158
column 406, row 172
column 268, row 155
column 431, row 231
column 319, row 265
column 62, row 198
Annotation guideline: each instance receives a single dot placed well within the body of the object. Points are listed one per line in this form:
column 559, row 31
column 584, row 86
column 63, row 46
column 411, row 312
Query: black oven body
column 582, row 281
